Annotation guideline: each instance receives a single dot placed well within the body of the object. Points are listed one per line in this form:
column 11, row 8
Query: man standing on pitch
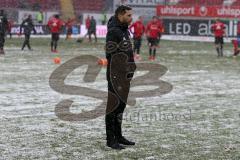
column 92, row 29
column 153, row 32
column 3, row 28
column 139, row 30
column 28, row 27
column 219, row 31
column 55, row 25
column 120, row 69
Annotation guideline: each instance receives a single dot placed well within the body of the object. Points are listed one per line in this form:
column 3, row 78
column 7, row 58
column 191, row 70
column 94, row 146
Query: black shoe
column 124, row 141
column 115, row 146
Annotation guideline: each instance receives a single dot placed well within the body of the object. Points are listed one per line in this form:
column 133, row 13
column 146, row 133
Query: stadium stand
column 201, row 2
column 83, row 5
column 31, row 4
column 9, row 3
column 46, row 4
column 236, row 3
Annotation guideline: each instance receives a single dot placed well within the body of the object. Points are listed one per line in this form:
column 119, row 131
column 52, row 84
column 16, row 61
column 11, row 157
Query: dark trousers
column 54, row 42
column 90, row 35
column 137, row 45
column 2, row 40
column 114, row 112
column 236, row 52
column 26, row 42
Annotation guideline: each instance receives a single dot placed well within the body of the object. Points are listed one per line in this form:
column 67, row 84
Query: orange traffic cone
column 57, row 60
column 102, row 62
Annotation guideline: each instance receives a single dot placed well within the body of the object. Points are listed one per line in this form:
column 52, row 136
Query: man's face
column 154, row 19
column 127, row 17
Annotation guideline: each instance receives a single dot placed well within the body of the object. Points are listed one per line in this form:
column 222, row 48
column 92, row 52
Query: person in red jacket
column 153, row 30
column 87, row 23
column 138, row 32
column 69, row 25
column 55, row 26
column 219, row 32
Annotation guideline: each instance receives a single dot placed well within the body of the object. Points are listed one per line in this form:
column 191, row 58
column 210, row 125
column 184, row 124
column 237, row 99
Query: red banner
column 199, row 11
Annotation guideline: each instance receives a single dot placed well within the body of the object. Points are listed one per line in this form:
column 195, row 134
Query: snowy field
column 200, row 117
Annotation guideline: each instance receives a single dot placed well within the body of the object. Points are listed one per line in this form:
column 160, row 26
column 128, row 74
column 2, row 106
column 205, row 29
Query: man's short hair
column 56, row 16
column 122, row 10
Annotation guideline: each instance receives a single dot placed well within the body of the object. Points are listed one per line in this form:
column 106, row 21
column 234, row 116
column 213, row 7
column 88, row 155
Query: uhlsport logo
column 203, row 11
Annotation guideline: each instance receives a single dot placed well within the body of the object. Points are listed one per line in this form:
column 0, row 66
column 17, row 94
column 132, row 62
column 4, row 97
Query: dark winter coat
column 28, row 26
column 119, row 52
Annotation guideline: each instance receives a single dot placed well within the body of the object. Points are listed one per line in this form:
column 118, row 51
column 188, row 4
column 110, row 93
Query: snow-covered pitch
column 198, row 119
